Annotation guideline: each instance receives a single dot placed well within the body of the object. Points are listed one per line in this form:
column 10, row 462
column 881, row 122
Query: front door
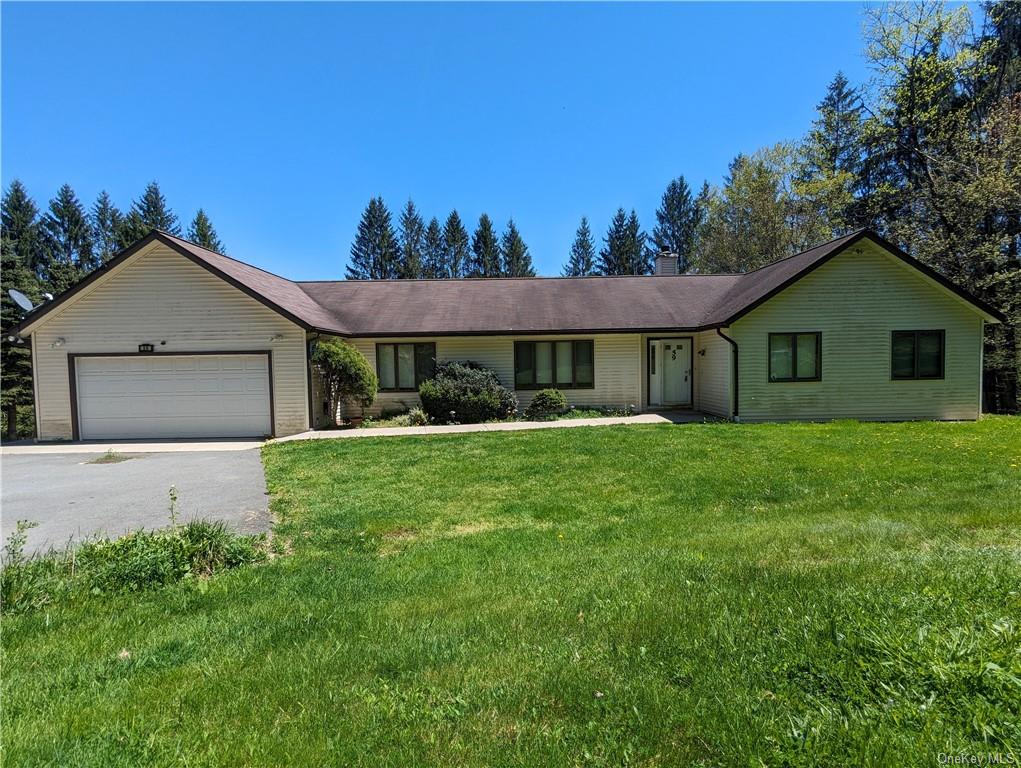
column 672, row 383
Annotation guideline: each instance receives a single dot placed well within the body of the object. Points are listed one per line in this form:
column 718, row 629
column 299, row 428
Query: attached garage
column 171, row 341
column 172, row 396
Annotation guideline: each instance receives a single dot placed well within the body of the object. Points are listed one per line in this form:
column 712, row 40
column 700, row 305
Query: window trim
column 553, row 361
column 942, row 333
column 794, row 378
column 397, row 374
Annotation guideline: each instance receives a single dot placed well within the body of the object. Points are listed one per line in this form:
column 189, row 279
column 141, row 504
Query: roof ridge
column 508, row 279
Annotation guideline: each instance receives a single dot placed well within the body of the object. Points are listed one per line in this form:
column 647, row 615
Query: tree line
column 63, row 243
column 415, row 250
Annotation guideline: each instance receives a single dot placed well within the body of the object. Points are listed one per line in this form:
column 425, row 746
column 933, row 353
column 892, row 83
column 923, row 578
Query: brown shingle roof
column 520, row 305
column 512, row 305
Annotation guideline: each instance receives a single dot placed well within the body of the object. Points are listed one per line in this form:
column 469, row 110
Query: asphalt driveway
column 71, row 498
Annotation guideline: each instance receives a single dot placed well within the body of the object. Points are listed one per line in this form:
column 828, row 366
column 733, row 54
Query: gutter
column 736, row 378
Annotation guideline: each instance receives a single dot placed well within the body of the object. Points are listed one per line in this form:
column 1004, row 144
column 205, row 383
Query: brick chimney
column 666, row 263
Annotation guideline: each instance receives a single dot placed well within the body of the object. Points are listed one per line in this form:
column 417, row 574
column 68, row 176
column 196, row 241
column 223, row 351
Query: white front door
column 670, row 372
column 161, row 396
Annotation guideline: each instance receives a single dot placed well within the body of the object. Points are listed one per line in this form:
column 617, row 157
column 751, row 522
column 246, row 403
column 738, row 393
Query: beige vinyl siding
column 856, row 300
column 713, row 374
column 160, row 295
column 618, row 378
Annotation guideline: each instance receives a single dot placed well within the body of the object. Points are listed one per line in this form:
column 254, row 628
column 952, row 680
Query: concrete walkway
column 684, row 417
column 28, row 448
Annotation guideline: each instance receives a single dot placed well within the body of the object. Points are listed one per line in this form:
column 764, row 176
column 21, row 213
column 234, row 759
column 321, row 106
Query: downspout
column 736, row 378
column 309, row 342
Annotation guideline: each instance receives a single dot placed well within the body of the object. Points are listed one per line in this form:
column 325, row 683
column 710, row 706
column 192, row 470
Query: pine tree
column 374, row 250
column 67, row 241
column 20, row 224
column 485, row 261
column 455, row 247
column 517, row 262
column 202, row 233
column 106, row 222
column 412, row 243
column 677, row 220
column 433, row 251
column 830, row 178
column 583, row 253
column 16, row 378
column 149, row 212
column 625, row 252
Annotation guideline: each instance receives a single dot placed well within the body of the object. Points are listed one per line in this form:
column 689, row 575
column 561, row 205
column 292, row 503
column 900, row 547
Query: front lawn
column 843, row 594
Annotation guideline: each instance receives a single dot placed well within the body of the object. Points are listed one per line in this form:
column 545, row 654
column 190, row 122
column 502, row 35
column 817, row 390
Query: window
column 917, row 355
column 402, row 367
column 795, row 356
column 561, row 364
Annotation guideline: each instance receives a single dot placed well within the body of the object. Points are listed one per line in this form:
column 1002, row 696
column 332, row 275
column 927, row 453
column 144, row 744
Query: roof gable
column 277, row 293
column 760, row 285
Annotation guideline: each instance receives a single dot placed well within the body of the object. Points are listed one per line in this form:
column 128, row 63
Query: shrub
column 466, row 393
column 417, row 417
column 346, row 374
column 546, row 402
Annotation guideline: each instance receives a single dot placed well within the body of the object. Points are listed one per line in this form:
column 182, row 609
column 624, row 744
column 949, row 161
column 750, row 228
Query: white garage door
column 171, row 396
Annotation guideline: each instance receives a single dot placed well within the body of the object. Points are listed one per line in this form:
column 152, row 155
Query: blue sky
column 283, row 120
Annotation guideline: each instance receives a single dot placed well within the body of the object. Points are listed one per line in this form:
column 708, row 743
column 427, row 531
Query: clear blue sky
column 283, row 120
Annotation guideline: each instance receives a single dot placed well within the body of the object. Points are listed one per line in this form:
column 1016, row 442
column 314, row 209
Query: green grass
column 842, row 594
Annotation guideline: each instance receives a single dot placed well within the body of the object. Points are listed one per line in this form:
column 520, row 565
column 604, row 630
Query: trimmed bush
column 466, row 393
column 546, row 402
column 346, row 375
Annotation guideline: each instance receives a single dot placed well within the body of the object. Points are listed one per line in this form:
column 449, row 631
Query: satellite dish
column 20, row 299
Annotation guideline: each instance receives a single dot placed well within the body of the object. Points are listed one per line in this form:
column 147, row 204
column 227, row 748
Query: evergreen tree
column 485, row 261
column 16, row 383
column 583, row 253
column 202, row 233
column 455, row 247
column 412, row 243
column 149, row 212
column 67, row 242
column 677, row 220
column 433, row 251
column 374, row 251
column 20, row 225
column 106, row 222
column 625, row 252
column 830, row 178
column 517, row 261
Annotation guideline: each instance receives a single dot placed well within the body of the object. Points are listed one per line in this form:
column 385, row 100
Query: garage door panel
column 173, row 396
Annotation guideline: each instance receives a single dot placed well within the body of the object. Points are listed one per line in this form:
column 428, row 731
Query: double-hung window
column 917, row 354
column 795, row 356
column 560, row 364
column 402, row 367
